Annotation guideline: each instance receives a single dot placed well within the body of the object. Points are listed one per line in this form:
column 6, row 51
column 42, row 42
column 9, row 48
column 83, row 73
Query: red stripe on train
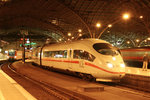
column 133, row 50
column 92, row 65
column 86, row 63
column 133, row 58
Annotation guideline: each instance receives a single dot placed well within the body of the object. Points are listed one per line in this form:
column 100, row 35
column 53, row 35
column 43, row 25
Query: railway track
column 118, row 85
column 50, row 89
column 59, row 93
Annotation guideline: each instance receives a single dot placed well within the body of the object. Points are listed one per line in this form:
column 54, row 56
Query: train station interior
column 26, row 25
column 67, row 20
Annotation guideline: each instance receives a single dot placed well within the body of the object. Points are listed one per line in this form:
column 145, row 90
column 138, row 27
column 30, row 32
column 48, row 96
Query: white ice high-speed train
column 88, row 58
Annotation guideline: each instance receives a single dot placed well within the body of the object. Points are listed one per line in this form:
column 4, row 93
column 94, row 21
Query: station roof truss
column 57, row 18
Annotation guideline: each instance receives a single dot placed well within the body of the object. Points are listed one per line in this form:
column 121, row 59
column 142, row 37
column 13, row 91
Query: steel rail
column 59, row 92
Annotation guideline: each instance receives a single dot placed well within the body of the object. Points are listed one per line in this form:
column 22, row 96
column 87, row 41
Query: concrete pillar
column 23, row 32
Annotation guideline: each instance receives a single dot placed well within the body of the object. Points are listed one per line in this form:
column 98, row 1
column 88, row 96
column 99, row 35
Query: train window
column 47, row 53
column 98, row 46
column 61, row 54
column 77, row 54
column 81, row 54
column 65, row 53
column 105, row 49
column 56, row 54
column 36, row 54
column 108, row 52
column 88, row 56
column 11, row 53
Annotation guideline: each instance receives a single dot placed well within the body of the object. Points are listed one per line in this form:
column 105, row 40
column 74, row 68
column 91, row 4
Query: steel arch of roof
column 69, row 15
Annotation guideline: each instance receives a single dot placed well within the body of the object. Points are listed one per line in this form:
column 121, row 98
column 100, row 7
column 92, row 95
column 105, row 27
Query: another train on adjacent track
column 17, row 55
column 134, row 56
column 88, row 58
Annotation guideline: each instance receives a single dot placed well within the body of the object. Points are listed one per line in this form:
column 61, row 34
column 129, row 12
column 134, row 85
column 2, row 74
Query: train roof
column 86, row 41
column 75, row 44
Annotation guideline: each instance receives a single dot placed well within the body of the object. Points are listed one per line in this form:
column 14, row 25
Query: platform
column 137, row 78
column 137, row 71
column 11, row 90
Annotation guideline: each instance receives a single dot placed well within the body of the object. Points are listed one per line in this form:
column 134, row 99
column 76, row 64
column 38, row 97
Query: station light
column 69, row 34
column 80, row 34
column 79, row 30
column 72, row 37
column 98, row 25
column 128, row 42
column 28, row 41
column 6, row 51
column 137, row 40
column 11, row 50
column 141, row 17
column 5, row 0
column 126, row 16
column 148, row 38
column 60, row 39
column 108, row 31
column 110, row 25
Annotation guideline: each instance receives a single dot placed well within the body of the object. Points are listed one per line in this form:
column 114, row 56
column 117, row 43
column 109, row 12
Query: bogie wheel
column 87, row 77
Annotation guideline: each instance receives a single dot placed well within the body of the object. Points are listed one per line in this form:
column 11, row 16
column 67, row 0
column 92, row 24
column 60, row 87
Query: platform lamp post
column 0, row 42
column 23, row 32
column 125, row 16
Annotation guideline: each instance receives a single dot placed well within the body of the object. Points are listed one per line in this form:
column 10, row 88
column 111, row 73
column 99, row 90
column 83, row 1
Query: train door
column 78, row 60
column 70, row 60
column 39, row 54
column 81, row 63
column 81, row 60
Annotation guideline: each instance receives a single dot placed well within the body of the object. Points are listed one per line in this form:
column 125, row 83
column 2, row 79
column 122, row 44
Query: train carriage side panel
column 91, row 60
column 53, row 56
column 36, row 56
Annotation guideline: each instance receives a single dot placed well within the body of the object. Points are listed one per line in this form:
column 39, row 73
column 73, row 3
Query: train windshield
column 105, row 49
column 11, row 53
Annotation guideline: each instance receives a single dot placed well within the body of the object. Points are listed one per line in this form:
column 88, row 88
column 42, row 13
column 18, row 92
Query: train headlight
column 122, row 65
column 15, row 56
column 110, row 65
column 114, row 58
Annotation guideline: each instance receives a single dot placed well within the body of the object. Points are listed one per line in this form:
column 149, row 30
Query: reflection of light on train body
column 122, row 65
column 110, row 65
column 58, row 56
column 114, row 58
